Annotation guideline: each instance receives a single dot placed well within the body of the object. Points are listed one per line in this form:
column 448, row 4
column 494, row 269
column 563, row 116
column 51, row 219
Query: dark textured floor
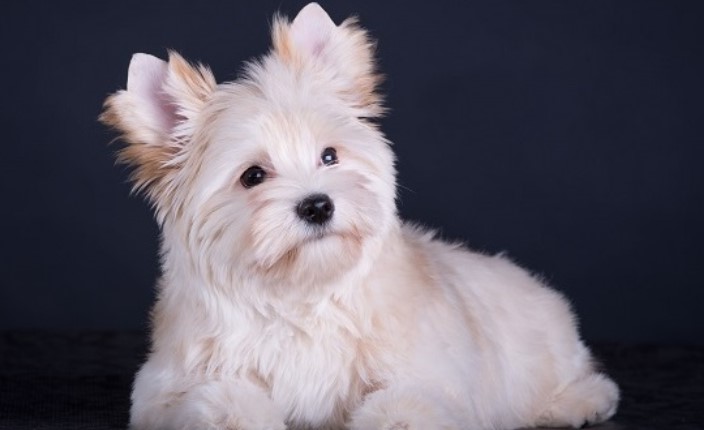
column 82, row 381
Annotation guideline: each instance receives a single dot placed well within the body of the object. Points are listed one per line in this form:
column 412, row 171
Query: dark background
column 566, row 133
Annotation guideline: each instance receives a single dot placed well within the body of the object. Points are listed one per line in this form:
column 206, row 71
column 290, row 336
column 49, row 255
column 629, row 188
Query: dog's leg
column 588, row 400
column 408, row 408
column 213, row 405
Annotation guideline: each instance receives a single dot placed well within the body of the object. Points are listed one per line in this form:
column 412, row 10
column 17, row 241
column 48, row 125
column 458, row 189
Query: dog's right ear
column 156, row 115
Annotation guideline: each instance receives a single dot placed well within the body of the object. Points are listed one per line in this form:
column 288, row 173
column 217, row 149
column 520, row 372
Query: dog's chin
column 318, row 258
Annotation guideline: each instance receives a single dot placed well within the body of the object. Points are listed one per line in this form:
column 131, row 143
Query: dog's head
column 279, row 174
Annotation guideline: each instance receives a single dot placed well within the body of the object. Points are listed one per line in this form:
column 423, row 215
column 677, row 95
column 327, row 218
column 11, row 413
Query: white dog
column 292, row 296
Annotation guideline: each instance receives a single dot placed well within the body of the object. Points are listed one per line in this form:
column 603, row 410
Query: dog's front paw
column 254, row 417
column 406, row 409
column 230, row 406
column 254, row 423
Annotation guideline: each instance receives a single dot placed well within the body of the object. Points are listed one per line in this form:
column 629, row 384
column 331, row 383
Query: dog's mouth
column 318, row 237
column 323, row 233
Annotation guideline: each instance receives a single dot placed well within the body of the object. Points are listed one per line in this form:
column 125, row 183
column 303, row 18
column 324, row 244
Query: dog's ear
column 346, row 51
column 312, row 31
column 156, row 115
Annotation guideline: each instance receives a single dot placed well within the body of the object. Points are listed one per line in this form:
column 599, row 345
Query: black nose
column 315, row 209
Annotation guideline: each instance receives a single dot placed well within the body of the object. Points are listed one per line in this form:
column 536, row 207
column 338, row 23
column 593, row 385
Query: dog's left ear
column 346, row 51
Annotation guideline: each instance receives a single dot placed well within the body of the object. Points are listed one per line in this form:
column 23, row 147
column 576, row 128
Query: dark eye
column 255, row 175
column 329, row 156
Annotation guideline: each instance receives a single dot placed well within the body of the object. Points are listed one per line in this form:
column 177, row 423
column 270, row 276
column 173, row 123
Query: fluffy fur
column 265, row 322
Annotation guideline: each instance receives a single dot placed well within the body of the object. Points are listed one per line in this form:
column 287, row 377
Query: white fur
column 265, row 323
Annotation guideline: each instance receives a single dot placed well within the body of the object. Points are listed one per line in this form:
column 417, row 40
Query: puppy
column 292, row 296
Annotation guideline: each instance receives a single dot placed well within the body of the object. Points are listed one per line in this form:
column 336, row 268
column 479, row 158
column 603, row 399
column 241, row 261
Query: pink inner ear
column 311, row 40
column 145, row 80
column 311, row 30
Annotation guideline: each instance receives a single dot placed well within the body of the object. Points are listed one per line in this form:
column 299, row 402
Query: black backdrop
column 567, row 133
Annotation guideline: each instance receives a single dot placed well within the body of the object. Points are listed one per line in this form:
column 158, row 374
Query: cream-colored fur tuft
column 276, row 315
